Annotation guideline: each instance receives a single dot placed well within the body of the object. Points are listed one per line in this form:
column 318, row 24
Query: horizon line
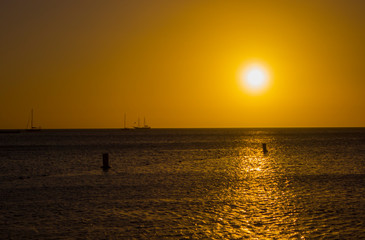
column 112, row 128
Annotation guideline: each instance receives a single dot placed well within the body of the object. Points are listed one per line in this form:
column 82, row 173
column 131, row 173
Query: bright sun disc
column 254, row 79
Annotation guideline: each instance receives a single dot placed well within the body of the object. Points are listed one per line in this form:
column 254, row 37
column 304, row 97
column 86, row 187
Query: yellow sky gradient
column 83, row 64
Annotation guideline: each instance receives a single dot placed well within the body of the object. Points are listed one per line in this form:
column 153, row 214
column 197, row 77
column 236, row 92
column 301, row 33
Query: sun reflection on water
column 258, row 205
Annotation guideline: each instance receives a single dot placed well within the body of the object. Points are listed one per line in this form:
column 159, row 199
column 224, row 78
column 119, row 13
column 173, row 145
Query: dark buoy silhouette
column 105, row 166
column 264, row 149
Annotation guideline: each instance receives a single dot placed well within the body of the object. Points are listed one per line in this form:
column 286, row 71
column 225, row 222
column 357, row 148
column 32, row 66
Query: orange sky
column 83, row 64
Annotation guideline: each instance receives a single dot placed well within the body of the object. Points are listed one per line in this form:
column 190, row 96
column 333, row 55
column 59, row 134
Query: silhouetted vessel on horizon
column 125, row 123
column 145, row 126
column 31, row 128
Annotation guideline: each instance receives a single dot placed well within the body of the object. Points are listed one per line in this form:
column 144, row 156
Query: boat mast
column 31, row 118
column 125, row 119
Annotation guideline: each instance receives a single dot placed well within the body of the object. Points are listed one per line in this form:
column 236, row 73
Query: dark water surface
column 183, row 184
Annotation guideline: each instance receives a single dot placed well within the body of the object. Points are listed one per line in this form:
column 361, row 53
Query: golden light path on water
column 257, row 204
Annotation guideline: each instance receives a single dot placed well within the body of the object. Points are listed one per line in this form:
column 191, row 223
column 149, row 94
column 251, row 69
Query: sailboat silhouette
column 30, row 126
column 125, row 123
column 145, row 126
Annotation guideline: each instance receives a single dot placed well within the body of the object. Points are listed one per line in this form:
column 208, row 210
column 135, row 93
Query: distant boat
column 145, row 126
column 30, row 126
column 125, row 123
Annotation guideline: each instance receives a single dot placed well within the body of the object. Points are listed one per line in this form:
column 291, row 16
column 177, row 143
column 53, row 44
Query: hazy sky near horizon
column 83, row 64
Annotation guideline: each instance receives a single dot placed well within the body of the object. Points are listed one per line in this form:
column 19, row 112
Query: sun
column 254, row 78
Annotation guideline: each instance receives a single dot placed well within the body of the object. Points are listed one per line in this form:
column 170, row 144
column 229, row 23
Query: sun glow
column 254, row 79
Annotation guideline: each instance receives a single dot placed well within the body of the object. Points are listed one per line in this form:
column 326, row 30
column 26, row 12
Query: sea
column 183, row 184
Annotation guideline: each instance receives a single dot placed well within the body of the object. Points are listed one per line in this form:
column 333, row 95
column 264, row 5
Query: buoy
column 264, row 149
column 105, row 161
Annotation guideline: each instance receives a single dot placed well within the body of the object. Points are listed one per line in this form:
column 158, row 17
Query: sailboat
column 125, row 123
column 145, row 126
column 32, row 128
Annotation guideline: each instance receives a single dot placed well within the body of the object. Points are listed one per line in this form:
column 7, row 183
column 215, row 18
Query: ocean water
column 183, row 184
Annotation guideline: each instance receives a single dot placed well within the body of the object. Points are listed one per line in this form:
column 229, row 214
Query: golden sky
column 83, row 64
